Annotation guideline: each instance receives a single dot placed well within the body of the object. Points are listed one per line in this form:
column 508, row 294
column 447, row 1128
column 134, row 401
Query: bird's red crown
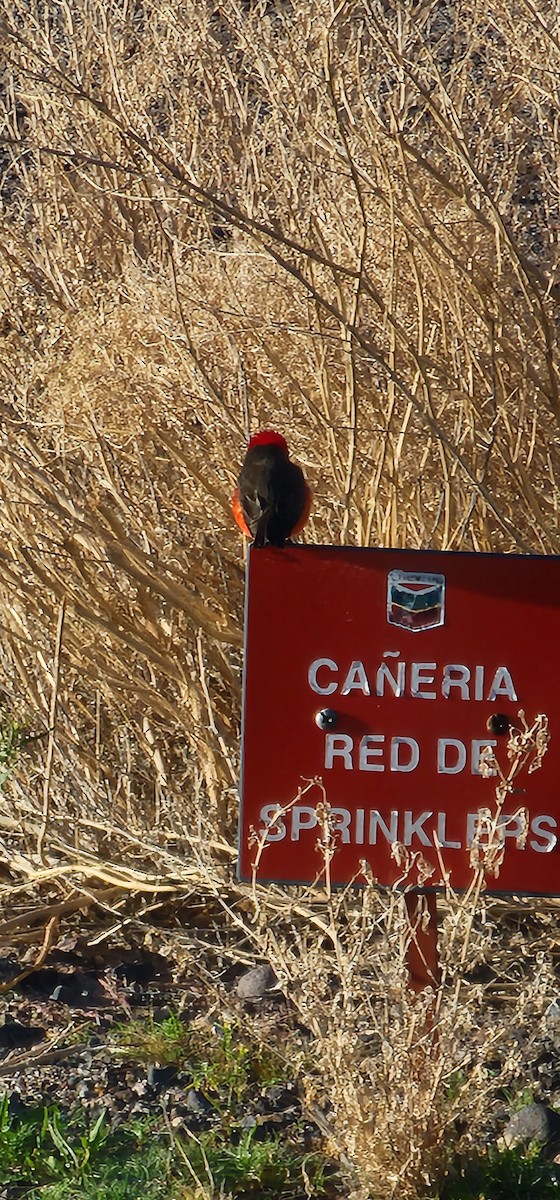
column 267, row 437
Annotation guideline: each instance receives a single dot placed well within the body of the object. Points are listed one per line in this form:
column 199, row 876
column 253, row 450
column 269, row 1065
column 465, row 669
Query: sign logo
column 415, row 600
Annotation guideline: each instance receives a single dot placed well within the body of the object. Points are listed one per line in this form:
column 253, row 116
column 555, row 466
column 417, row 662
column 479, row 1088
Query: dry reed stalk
column 52, row 730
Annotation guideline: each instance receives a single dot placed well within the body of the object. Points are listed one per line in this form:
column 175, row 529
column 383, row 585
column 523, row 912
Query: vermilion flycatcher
column 272, row 499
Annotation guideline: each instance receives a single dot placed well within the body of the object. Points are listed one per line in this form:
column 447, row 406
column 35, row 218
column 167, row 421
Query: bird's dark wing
column 272, row 493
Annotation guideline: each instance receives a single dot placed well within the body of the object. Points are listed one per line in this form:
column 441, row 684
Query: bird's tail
column 261, row 534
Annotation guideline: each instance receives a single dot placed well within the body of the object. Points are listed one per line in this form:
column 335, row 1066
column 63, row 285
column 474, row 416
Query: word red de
column 370, row 678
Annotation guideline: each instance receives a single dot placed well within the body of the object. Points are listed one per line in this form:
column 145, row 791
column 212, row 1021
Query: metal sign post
column 423, row 953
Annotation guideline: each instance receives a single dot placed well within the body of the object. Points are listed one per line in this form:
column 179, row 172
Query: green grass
column 254, row 1168
column 508, row 1174
column 167, row 1042
column 46, row 1155
column 221, row 1060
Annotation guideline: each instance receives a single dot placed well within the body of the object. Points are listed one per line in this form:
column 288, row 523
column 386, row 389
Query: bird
column 272, row 499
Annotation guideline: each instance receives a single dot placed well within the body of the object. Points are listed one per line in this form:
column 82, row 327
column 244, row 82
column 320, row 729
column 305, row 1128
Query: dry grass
column 341, row 220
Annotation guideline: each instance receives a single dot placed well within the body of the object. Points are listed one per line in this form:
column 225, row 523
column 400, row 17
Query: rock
column 9, row 968
column 42, row 982
column 161, row 1077
column 140, row 1087
column 196, row 1102
column 14, row 1036
column 279, row 1099
column 161, row 1014
column 79, row 990
column 545, row 1068
column 255, row 984
column 196, row 1112
column 534, row 1123
column 248, row 1122
column 144, row 971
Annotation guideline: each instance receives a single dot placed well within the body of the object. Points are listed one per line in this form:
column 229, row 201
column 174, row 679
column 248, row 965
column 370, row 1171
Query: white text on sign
column 420, row 680
column 376, row 752
column 370, row 827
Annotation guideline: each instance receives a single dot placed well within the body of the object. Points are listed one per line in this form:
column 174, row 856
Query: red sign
column 370, row 676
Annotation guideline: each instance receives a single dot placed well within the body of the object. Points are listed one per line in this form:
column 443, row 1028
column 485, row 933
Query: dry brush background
column 340, row 220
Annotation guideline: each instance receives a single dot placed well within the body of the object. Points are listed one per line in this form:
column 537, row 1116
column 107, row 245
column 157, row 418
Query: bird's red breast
column 238, row 514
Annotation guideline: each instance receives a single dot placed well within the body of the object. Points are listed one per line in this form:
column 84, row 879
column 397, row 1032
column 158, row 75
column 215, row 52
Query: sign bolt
column 498, row 723
column 327, row 718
